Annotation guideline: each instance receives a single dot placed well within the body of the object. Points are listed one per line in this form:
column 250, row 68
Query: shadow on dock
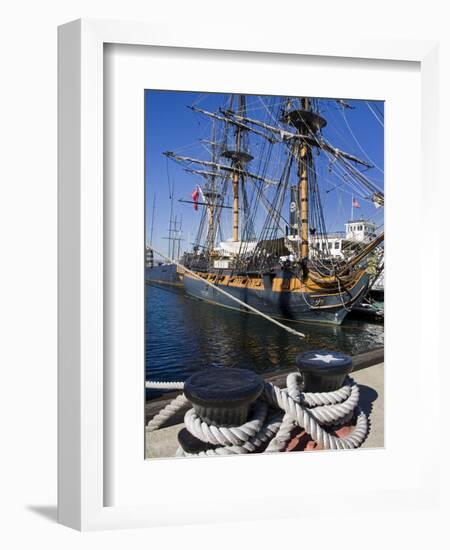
column 367, row 396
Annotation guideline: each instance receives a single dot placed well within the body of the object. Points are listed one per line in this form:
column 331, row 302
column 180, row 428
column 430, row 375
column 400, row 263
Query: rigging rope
column 375, row 114
column 357, row 141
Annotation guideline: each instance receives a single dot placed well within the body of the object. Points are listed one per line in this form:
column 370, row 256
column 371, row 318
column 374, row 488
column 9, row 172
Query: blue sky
column 170, row 125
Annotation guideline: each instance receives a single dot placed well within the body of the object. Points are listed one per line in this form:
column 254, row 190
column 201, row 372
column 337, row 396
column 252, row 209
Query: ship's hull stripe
column 288, row 305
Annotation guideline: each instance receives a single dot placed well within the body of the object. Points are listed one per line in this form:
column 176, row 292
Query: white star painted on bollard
column 325, row 358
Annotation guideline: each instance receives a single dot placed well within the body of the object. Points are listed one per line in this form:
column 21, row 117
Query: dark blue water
column 184, row 335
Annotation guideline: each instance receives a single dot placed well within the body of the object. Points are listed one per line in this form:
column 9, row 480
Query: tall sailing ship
column 263, row 170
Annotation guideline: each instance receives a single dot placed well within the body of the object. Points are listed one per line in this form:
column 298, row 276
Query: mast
column 236, row 190
column 174, row 237
column 239, row 158
column 151, row 231
column 303, row 192
column 211, row 196
column 212, row 203
column 169, row 244
column 211, row 209
column 307, row 124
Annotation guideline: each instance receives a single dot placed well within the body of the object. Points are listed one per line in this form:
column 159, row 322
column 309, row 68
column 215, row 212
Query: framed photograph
column 264, row 253
column 223, row 323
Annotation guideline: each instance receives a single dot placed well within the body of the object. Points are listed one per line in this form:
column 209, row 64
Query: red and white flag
column 195, row 194
column 355, row 203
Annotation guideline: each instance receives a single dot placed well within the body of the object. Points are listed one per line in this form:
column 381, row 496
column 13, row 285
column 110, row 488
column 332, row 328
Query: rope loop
column 273, row 418
column 221, row 435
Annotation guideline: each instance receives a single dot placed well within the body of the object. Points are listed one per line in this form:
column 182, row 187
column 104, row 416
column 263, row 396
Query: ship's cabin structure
column 342, row 244
column 360, row 230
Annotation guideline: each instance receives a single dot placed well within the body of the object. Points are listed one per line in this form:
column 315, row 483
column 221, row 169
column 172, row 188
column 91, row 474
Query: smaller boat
column 165, row 273
column 376, row 290
column 368, row 311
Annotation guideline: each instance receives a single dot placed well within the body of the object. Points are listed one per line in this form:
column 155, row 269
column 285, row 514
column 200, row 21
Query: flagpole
column 351, row 218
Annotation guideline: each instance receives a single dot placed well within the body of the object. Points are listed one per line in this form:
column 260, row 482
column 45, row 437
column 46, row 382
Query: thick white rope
column 267, row 424
column 327, row 407
column 266, row 433
column 178, row 404
column 335, row 407
column 164, row 385
column 228, row 295
column 305, row 419
column 283, row 436
column 220, row 435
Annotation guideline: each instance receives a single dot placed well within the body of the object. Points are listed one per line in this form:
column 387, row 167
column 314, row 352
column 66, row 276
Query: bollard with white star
column 323, row 370
column 326, row 358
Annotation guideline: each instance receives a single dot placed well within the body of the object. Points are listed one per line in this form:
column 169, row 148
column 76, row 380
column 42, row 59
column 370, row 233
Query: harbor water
column 185, row 335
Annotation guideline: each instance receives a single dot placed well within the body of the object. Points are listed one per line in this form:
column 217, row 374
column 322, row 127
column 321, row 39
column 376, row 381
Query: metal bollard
column 323, row 370
column 220, row 397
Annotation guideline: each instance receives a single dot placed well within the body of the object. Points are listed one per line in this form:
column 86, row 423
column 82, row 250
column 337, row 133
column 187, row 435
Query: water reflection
column 184, row 335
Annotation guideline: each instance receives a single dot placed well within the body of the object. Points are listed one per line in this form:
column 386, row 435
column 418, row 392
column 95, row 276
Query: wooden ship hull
column 280, row 295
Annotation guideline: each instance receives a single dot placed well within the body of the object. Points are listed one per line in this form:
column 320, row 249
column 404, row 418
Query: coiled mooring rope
column 273, row 418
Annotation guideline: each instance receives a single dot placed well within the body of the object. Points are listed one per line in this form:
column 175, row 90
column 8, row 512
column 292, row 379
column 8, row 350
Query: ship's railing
column 324, row 236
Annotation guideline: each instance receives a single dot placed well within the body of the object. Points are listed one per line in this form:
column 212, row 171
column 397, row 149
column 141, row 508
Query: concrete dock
column 371, row 385
column 163, row 443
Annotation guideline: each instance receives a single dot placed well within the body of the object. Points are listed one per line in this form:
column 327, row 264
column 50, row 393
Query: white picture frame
column 82, row 392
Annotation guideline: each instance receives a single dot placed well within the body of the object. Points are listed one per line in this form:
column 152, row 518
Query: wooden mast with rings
column 239, row 158
column 307, row 123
